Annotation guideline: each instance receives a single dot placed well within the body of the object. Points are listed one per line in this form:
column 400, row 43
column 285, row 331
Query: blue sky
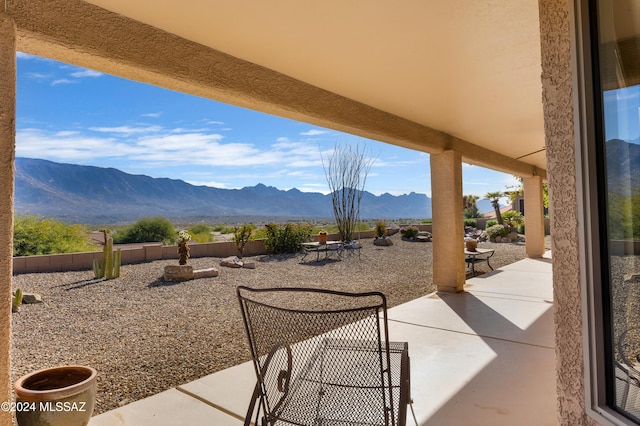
column 622, row 114
column 73, row 115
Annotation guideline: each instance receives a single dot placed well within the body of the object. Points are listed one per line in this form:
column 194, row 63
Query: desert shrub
column 286, row 238
column 512, row 218
column 470, row 222
column 409, row 232
column 490, row 223
column 147, row 230
column 498, row 231
column 381, row 229
column 624, row 216
column 521, row 229
column 242, row 235
column 33, row 235
column 201, row 233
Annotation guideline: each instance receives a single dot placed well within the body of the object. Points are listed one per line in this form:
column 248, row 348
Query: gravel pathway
column 144, row 335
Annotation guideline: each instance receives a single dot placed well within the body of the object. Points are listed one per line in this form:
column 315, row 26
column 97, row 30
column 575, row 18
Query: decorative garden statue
column 183, row 248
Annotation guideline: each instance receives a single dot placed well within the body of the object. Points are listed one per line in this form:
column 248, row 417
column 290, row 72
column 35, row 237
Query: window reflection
column 619, row 53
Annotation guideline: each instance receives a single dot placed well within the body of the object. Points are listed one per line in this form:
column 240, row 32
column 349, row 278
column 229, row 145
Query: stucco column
column 533, row 216
column 558, row 103
column 7, row 156
column 448, row 223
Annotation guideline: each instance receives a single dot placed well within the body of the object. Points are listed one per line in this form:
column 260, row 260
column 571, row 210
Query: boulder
column 29, row 298
column 424, row 237
column 205, row 273
column 382, row 242
column 249, row 265
column 232, row 262
column 178, row 272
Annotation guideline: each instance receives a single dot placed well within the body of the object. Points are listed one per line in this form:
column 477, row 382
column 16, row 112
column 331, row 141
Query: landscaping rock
column 30, row 298
column 205, row 273
column 249, row 265
column 232, row 262
column 382, row 242
column 424, row 237
column 178, row 273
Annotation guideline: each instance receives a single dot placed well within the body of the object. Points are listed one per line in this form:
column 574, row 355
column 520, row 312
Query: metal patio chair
column 323, row 357
column 628, row 371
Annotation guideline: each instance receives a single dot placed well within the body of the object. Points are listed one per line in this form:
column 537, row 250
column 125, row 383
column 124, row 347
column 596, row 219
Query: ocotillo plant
column 110, row 266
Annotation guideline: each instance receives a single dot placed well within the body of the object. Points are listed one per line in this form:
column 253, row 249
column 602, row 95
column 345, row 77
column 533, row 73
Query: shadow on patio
column 483, row 357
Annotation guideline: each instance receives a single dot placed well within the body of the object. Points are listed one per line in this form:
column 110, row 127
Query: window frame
column 593, row 246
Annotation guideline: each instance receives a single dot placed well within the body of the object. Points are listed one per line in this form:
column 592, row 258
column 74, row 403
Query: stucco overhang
column 427, row 75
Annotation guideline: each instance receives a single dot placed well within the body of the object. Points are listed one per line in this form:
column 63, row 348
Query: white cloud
column 127, row 129
column 153, row 147
column 28, row 57
column 184, row 130
column 212, row 184
column 67, row 146
column 152, row 114
column 66, row 133
column 37, row 76
column 86, row 73
column 62, row 81
column 314, row 132
column 314, row 187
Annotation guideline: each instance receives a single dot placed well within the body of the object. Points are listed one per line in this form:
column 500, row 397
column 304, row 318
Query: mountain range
column 95, row 195
column 623, row 165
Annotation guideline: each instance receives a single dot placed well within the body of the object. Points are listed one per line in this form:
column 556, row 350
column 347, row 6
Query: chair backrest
column 310, row 342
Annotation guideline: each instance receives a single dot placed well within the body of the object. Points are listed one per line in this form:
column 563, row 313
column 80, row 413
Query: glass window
column 618, row 41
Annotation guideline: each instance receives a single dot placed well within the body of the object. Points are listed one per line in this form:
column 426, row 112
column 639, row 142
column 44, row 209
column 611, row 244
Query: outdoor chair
column 627, row 372
column 323, row 357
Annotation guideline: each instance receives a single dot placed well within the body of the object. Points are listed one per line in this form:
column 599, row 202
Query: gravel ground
column 144, row 335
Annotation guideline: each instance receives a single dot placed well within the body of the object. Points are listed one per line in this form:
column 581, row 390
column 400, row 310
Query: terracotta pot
column 322, row 238
column 59, row 396
column 471, row 245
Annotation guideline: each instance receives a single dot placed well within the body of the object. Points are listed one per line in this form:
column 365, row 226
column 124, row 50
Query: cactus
column 109, row 268
column 17, row 300
column 97, row 269
column 116, row 264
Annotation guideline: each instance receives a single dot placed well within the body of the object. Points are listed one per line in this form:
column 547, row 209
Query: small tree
column 286, row 238
column 494, row 197
column 518, row 190
column 147, row 230
column 242, row 235
column 34, row 235
column 513, row 219
column 346, row 171
column 469, row 206
column 381, row 229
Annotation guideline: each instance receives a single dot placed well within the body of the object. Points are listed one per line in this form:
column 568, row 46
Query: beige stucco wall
column 557, row 80
column 534, row 218
column 448, row 227
column 7, row 154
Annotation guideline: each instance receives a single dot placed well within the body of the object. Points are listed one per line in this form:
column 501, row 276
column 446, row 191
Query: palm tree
column 494, row 197
column 469, row 206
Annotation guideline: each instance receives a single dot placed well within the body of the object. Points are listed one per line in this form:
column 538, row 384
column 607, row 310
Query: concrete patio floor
column 482, row 357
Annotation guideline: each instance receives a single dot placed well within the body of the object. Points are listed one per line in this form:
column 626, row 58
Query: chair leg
column 255, row 398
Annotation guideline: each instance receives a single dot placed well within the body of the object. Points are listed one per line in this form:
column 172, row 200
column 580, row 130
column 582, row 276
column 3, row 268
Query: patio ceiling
column 468, row 68
column 427, row 75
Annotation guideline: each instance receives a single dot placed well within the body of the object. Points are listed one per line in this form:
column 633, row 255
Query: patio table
column 329, row 246
column 479, row 255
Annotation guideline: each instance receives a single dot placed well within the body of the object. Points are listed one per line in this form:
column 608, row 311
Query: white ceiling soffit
column 469, row 68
